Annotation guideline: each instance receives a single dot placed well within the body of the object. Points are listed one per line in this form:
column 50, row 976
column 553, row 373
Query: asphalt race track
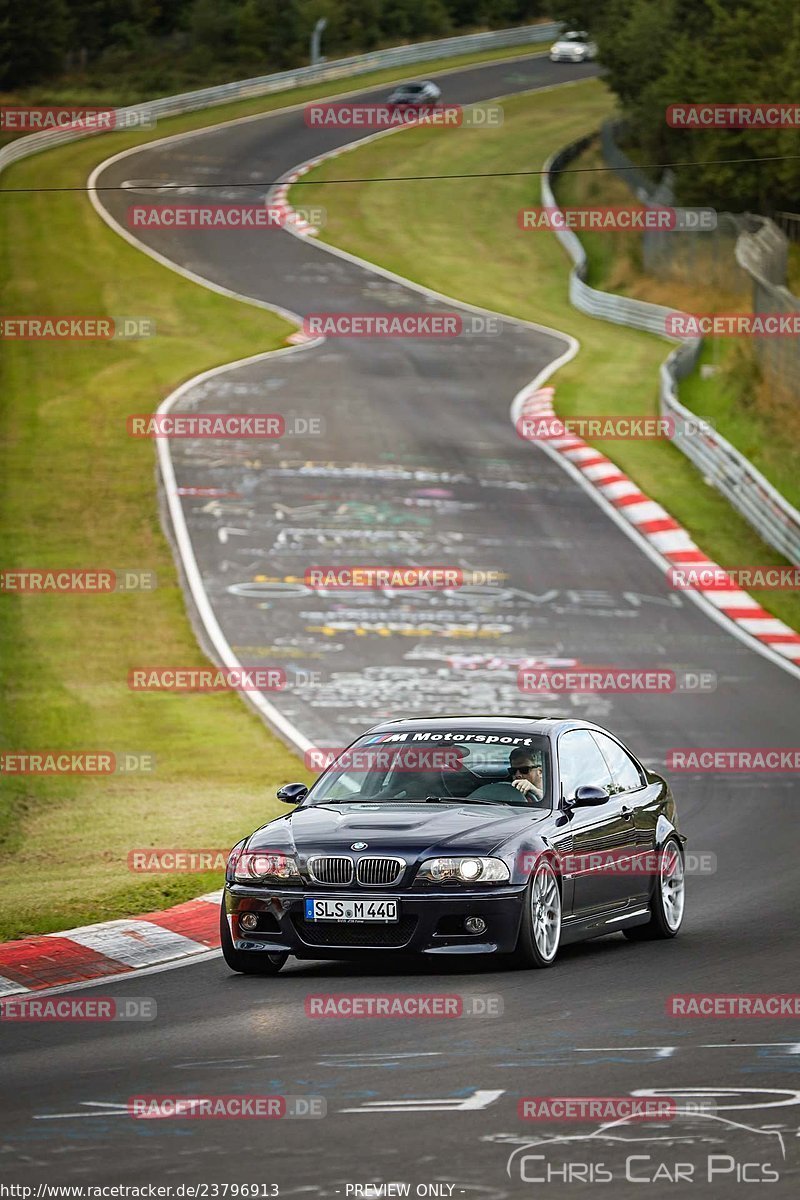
column 420, row 463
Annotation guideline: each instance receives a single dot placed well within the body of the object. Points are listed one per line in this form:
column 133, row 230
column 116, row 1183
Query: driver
column 525, row 769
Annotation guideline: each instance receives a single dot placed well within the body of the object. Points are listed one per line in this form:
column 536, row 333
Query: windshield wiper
column 411, row 800
column 464, row 800
column 352, row 800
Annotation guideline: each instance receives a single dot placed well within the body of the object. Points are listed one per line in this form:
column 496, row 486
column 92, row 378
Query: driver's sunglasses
column 523, row 770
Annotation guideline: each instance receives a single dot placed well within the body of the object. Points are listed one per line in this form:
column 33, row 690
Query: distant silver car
column 574, row 46
column 415, row 95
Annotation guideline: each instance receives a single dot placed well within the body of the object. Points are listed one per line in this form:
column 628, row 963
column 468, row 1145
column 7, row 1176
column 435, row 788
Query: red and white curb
column 278, row 199
column 664, row 534
column 110, row 948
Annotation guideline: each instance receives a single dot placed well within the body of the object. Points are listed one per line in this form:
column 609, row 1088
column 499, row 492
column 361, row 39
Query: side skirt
column 600, row 924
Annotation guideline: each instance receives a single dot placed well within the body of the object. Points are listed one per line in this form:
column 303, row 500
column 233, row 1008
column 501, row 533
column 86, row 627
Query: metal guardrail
column 636, row 179
column 263, row 85
column 789, row 223
column 722, row 465
column 621, row 310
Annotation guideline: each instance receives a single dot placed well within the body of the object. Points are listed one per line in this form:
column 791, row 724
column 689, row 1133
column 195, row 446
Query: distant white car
column 575, row 46
column 415, row 95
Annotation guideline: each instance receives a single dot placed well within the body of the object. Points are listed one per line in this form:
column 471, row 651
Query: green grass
column 793, row 268
column 77, row 491
column 759, row 419
column 460, row 237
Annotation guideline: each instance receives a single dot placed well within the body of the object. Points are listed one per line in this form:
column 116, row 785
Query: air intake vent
column 332, row 870
column 379, row 872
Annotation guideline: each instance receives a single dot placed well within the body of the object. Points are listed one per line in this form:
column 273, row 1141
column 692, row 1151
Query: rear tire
column 540, row 929
column 669, row 898
column 246, row 962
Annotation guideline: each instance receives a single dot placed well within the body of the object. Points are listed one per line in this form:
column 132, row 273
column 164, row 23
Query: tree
column 35, row 40
column 272, row 28
column 663, row 52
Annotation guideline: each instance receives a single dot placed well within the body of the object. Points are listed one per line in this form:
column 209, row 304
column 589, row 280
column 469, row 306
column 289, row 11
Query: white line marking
column 711, row 1093
column 217, row 1062
column 107, row 1110
column 369, row 1054
column 592, row 1049
column 478, row 1100
column 692, row 1046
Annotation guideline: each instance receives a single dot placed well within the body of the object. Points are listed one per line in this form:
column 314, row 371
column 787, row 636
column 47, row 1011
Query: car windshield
column 574, row 37
column 441, row 768
column 412, row 87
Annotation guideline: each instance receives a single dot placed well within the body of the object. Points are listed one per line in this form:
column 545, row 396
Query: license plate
column 351, row 910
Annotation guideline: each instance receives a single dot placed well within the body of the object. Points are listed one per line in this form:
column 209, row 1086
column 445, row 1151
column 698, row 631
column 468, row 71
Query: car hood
column 410, row 829
column 568, row 45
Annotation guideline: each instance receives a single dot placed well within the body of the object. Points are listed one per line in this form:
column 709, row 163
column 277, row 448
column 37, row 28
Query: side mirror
column 292, row 793
column 589, row 796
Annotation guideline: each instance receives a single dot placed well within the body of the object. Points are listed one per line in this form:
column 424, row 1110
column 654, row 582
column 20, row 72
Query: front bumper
column 430, row 923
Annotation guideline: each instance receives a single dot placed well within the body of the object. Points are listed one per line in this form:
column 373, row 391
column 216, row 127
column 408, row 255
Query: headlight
column 265, row 866
column 463, row 870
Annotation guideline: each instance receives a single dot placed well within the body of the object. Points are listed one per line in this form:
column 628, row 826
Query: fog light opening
column 249, row 920
column 475, row 925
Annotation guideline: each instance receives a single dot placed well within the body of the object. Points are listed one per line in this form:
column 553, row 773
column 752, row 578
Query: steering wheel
column 503, row 793
column 464, row 775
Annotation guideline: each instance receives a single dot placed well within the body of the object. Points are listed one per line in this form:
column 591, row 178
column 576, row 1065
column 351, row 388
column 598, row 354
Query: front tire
column 246, row 962
column 540, row 929
column 669, row 898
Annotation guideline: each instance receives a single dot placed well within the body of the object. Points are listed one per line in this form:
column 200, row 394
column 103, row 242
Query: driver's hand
column 526, row 787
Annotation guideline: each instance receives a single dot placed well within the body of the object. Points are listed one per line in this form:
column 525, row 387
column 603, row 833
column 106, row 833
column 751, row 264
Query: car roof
column 546, row 726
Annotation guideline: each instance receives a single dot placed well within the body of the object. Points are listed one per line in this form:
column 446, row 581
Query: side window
column 581, row 763
column 626, row 774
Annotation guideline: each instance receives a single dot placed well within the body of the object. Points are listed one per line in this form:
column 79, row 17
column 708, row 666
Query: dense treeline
column 155, row 42
column 660, row 52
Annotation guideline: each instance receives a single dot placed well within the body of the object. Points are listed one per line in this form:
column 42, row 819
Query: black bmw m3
column 460, row 835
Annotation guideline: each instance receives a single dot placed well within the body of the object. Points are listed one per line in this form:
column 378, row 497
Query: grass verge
column 744, row 403
column 77, row 492
column 463, row 240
